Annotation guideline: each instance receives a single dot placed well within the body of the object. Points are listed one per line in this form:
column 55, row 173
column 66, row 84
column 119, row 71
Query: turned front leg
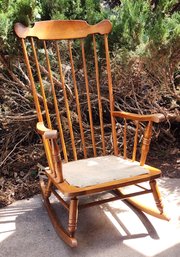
column 73, row 215
column 157, row 195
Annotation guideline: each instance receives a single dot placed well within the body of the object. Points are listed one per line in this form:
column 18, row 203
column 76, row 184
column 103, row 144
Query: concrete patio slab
column 108, row 230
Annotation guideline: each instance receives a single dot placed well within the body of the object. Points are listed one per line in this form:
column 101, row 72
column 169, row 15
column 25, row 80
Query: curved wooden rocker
column 148, row 210
column 93, row 170
column 158, row 212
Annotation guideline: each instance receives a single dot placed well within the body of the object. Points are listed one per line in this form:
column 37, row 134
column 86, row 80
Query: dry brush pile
column 141, row 85
column 145, row 56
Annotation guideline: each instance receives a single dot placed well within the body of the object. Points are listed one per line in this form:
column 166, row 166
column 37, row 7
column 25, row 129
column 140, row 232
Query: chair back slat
column 66, row 103
column 99, row 95
column 135, row 142
column 111, row 98
column 62, row 29
column 41, row 84
column 58, row 117
column 88, row 98
column 77, row 100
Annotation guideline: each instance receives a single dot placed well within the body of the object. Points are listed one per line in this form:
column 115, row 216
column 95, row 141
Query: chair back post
column 33, row 87
column 36, row 102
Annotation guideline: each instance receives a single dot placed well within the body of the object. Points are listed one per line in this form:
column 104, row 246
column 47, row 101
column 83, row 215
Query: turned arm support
column 46, row 132
column 156, row 117
column 53, row 155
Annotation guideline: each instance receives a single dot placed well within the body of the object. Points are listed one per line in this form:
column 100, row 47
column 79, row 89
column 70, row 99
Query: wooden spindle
column 56, row 105
column 111, row 98
column 33, row 87
column 125, row 139
column 66, row 103
column 88, row 98
column 99, row 96
column 135, row 142
column 41, row 85
column 77, row 100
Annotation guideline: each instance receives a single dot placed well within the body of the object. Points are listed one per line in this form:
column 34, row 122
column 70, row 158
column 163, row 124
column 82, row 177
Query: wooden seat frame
column 68, row 30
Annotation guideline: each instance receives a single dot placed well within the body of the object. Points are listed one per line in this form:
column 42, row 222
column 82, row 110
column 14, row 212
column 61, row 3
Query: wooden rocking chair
column 85, row 158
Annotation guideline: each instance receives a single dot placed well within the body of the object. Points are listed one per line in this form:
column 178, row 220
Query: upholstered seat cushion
column 97, row 170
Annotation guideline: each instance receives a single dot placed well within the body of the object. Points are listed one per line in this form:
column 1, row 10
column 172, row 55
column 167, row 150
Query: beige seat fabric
column 99, row 170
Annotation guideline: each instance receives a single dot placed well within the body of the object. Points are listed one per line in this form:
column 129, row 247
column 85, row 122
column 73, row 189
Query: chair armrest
column 156, row 117
column 46, row 132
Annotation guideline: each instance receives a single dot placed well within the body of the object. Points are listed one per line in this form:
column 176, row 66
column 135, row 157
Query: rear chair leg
column 73, row 215
column 156, row 195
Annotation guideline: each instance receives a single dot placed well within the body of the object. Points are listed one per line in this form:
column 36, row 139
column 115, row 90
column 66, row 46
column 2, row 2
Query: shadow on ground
column 109, row 230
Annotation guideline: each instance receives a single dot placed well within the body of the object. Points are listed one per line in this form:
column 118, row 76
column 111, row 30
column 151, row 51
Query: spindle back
column 69, row 69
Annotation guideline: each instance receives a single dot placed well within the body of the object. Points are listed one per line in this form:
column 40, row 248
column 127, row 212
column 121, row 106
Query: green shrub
column 136, row 25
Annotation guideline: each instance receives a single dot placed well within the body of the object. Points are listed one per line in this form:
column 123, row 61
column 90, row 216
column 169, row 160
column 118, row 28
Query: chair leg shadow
column 60, row 211
column 141, row 216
